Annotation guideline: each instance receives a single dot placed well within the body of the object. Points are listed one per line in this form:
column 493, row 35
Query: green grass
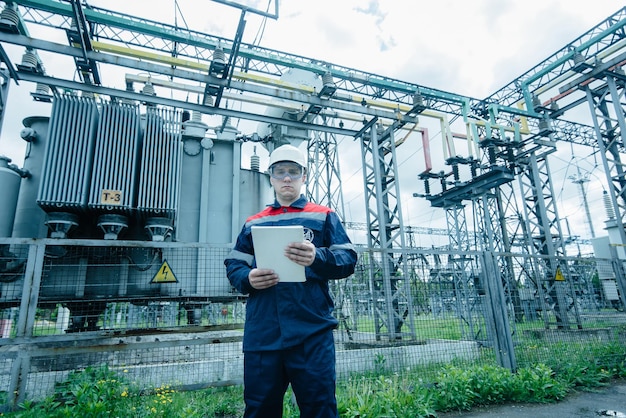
column 427, row 327
column 420, row 392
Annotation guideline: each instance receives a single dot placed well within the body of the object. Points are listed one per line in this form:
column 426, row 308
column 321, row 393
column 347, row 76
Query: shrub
column 93, row 392
column 384, row 396
column 462, row 389
column 537, row 384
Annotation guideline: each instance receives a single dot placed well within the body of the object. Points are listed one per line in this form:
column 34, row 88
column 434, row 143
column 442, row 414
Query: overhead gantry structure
column 509, row 134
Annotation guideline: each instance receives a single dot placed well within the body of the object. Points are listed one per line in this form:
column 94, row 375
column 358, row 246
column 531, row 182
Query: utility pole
column 581, row 180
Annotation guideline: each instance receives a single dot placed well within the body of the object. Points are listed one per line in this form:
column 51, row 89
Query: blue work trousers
column 309, row 367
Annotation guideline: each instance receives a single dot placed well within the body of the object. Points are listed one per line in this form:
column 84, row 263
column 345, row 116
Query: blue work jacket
column 286, row 314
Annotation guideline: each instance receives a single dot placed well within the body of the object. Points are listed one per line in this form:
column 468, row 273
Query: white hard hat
column 288, row 153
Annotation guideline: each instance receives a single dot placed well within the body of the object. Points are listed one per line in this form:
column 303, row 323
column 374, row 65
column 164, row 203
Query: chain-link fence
column 164, row 313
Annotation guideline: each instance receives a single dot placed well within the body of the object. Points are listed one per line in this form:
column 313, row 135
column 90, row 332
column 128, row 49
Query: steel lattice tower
column 389, row 275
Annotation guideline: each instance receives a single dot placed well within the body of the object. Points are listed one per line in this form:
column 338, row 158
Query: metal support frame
column 324, row 188
column 607, row 105
column 504, row 204
column 133, row 33
column 466, row 292
column 78, row 34
column 545, row 234
column 390, row 280
column 4, row 91
column 495, row 278
column 324, row 175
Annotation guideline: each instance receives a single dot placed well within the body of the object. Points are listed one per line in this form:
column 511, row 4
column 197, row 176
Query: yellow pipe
column 129, row 52
column 403, row 139
column 446, row 133
column 524, row 129
column 247, row 99
column 178, row 62
column 272, row 81
column 200, row 90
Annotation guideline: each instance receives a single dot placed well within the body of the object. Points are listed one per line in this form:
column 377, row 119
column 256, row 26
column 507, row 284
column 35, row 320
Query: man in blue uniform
column 288, row 334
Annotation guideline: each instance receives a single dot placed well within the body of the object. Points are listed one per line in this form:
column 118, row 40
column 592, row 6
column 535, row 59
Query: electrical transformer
column 104, row 171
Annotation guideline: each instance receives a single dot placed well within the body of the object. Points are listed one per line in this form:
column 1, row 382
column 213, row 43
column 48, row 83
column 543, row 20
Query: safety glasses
column 280, row 171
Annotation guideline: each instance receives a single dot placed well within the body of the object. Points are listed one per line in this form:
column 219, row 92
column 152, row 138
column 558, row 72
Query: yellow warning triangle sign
column 559, row 275
column 164, row 275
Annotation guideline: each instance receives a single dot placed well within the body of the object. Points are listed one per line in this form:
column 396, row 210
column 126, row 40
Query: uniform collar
column 299, row 203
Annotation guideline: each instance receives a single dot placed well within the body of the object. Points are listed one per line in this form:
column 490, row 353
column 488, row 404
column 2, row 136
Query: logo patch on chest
column 308, row 234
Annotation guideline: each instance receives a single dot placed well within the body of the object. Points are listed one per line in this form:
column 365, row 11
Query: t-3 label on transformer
column 111, row 197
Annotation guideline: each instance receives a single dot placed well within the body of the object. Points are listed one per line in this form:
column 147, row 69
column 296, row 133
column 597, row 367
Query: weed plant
column 422, row 392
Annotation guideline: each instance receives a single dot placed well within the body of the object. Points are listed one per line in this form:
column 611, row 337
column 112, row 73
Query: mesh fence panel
column 165, row 314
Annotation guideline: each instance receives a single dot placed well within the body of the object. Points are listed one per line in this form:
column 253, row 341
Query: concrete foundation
column 212, row 361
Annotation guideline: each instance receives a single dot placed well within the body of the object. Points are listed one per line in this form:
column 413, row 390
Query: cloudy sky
column 469, row 47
